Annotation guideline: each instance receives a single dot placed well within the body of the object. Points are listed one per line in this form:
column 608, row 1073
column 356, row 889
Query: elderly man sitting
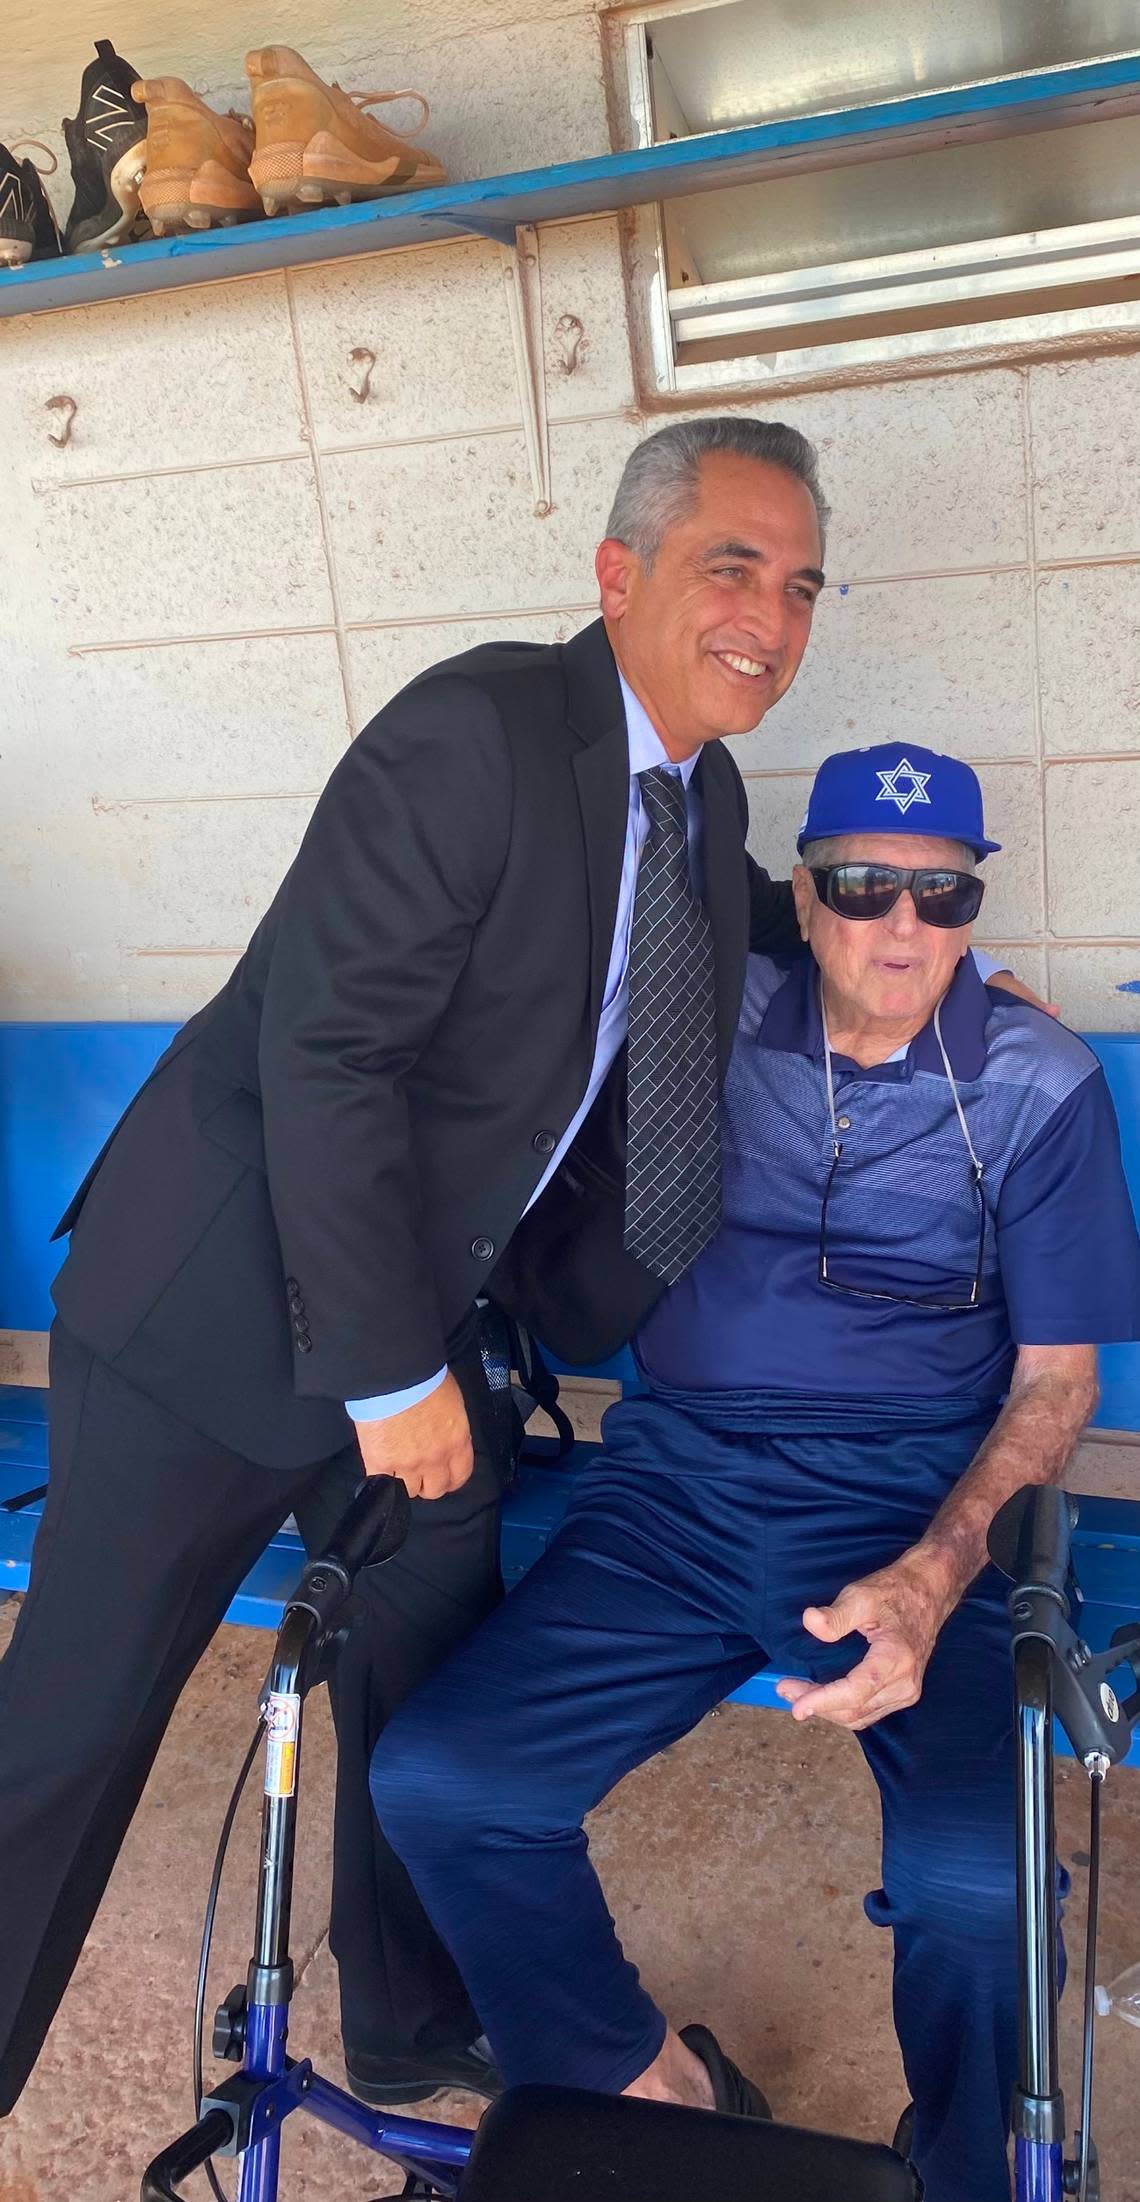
column 926, row 1230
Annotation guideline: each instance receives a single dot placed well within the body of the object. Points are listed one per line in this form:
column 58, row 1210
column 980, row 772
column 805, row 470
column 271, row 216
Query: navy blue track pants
column 684, row 1563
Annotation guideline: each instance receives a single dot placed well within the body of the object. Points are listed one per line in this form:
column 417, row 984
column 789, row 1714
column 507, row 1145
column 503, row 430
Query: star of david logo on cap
column 912, row 792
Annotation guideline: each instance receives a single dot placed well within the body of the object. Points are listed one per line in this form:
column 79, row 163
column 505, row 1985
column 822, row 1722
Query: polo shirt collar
column 793, row 1025
column 645, row 745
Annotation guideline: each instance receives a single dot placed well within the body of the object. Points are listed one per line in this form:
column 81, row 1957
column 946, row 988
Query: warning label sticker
column 283, row 1726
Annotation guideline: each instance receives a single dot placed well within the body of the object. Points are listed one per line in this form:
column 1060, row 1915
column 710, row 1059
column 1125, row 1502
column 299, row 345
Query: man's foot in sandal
column 732, row 2092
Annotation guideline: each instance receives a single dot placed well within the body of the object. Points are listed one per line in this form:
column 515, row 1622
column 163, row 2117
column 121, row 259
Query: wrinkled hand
column 900, row 1611
column 428, row 1446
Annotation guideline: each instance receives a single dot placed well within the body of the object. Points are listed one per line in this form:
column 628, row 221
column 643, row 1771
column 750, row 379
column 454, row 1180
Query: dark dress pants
column 148, row 1530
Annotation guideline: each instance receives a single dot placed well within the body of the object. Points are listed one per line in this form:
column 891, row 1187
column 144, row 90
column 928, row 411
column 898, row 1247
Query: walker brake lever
column 1096, row 1723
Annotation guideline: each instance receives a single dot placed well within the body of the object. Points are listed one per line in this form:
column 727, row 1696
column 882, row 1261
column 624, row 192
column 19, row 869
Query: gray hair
column 830, row 852
column 659, row 483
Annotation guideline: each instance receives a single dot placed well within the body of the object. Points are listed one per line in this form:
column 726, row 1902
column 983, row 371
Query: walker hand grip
column 163, row 2178
column 1031, row 1536
column 372, row 1527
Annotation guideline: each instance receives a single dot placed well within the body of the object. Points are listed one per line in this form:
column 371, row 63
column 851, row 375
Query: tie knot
column 665, row 798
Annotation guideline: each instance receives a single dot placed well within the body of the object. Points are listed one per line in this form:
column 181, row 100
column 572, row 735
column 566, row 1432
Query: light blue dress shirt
column 645, row 750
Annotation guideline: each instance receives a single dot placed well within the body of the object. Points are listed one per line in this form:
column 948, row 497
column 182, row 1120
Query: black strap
column 22, row 1499
column 539, row 1388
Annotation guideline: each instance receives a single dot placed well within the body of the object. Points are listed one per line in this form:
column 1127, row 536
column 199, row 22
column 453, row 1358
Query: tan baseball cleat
column 315, row 144
column 197, row 162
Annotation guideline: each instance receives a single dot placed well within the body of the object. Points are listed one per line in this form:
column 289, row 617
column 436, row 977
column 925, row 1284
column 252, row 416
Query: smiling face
column 711, row 636
column 882, row 973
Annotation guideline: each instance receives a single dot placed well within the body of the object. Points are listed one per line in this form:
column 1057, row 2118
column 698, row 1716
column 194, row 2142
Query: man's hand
column 1024, row 993
column 428, row 1446
column 900, row 1611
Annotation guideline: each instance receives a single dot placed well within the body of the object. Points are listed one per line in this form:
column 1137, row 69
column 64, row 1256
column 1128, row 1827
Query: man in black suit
column 274, row 1263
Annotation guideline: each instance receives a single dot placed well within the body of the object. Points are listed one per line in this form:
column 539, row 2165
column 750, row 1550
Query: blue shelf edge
column 493, row 206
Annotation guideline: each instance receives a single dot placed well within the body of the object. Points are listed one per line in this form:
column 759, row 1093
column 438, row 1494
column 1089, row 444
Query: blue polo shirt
column 1061, row 1255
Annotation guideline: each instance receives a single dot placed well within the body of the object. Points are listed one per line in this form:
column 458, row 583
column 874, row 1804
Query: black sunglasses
column 870, row 890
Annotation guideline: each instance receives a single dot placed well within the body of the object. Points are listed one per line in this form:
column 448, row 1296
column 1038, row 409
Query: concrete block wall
column 235, row 561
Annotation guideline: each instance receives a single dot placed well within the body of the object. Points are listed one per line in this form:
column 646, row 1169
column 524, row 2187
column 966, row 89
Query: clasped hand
column 427, row 1446
column 900, row 1611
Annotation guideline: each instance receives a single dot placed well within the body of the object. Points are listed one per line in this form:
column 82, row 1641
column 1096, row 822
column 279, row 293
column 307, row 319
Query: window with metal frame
column 888, row 184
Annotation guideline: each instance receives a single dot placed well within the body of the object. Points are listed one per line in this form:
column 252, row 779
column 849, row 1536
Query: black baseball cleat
column 732, row 2093
column 382, row 2081
column 27, row 225
column 107, row 145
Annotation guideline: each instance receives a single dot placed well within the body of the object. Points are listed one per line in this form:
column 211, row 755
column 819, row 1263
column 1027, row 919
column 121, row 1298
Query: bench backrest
column 62, row 1086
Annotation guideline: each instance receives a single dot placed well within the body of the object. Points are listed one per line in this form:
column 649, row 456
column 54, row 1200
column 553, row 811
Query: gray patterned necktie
column 672, row 1198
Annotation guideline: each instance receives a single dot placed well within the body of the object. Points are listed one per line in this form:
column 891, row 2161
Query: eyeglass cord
column 837, row 1143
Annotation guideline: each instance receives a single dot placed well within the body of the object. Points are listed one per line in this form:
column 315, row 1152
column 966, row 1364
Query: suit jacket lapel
column 601, row 774
column 726, row 889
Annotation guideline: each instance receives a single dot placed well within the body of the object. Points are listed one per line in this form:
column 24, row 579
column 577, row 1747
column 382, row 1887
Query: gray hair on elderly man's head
column 818, row 853
column 658, row 486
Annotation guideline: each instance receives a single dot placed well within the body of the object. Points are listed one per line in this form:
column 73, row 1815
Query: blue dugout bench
column 62, row 1087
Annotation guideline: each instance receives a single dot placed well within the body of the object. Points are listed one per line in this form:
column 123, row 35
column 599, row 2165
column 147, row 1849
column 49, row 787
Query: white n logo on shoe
column 114, row 115
column 15, row 206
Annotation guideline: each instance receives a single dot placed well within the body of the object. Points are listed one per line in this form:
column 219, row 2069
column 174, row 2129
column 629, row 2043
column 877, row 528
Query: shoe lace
column 377, row 99
column 40, row 148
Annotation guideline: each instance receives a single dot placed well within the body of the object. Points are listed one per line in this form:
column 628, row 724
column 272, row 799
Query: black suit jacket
column 332, row 1159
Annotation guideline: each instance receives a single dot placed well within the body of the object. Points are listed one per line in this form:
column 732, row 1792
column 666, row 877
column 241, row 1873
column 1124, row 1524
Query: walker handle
column 163, row 2178
column 1030, row 1539
column 372, row 1527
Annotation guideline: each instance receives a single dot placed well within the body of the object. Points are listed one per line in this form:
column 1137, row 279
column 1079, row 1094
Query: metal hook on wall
column 360, row 380
column 67, row 408
column 571, row 339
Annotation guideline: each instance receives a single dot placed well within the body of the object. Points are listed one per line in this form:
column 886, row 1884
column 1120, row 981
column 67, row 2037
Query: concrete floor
column 735, row 1864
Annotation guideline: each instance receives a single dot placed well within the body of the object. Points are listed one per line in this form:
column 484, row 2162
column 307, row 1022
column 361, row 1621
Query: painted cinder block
column 519, row 94
column 184, row 378
column 177, row 554
column 442, row 530
column 383, row 660
column 261, row 715
column 1013, row 908
column 946, row 662
column 1086, row 457
column 585, row 319
column 921, row 476
column 1092, row 824
column 164, row 851
column 1098, row 988
column 163, row 984
column 1088, row 626
column 436, row 325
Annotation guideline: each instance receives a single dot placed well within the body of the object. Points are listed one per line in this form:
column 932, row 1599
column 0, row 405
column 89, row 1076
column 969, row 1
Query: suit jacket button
column 544, row 1143
column 482, row 1249
column 304, row 1342
column 291, row 1286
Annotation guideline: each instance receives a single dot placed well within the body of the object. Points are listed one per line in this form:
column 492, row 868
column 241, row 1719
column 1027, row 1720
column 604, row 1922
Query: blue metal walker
column 546, row 2144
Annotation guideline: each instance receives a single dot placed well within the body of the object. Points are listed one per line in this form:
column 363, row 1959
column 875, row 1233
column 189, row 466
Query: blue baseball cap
column 896, row 788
